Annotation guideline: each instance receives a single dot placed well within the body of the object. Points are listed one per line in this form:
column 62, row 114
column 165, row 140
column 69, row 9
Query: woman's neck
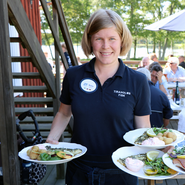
column 105, row 72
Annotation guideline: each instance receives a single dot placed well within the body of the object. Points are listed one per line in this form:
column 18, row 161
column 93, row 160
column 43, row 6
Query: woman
column 106, row 98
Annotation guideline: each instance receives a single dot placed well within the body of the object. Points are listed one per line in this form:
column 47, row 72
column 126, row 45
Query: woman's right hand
column 52, row 141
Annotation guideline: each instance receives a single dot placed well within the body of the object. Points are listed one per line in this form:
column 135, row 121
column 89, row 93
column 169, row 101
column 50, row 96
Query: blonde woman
column 106, row 98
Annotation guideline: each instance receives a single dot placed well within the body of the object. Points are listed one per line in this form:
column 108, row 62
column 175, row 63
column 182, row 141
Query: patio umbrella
column 175, row 22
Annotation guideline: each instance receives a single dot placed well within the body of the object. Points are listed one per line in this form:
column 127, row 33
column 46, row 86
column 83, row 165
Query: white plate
column 134, row 150
column 22, row 154
column 132, row 135
column 170, row 164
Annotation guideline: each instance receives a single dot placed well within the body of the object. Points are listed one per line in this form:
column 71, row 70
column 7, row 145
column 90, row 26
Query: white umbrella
column 175, row 22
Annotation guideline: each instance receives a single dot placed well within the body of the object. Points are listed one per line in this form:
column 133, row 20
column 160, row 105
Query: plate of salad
column 176, row 159
column 152, row 168
column 51, row 154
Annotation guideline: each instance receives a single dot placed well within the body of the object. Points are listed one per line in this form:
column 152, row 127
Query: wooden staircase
column 12, row 11
column 45, row 107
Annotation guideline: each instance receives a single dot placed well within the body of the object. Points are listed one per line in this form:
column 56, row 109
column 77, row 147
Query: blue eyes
column 109, row 39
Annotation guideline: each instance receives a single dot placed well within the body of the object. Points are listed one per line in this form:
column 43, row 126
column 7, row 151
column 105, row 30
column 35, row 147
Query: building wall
column 33, row 13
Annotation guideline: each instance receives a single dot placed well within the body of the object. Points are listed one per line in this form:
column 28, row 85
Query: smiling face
column 106, row 45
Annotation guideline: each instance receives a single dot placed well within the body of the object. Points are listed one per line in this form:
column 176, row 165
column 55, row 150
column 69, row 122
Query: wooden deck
column 50, row 178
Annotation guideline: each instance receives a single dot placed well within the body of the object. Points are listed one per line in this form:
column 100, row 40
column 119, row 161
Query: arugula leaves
column 159, row 165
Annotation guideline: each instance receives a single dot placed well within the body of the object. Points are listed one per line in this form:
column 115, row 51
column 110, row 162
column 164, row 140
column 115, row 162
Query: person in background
column 64, row 48
column 160, row 105
column 79, row 61
column 167, row 64
column 174, row 72
column 171, row 55
column 181, row 61
column 106, row 98
column 158, row 78
column 50, row 62
column 153, row 58
column 144, row 62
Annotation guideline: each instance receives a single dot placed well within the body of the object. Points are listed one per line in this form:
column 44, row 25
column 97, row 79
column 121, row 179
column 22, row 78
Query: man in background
column 144, row 62
column 174, row 72
column 181, row 61
column 160, row 105
column 157, row 77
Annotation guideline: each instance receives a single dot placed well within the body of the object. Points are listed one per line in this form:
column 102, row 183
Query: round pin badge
column 88, row 85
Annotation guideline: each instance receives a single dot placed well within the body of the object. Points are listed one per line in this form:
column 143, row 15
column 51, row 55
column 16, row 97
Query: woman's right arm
column 59, row 123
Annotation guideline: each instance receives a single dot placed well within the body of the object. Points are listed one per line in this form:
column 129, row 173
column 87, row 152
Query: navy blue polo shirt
column 104, row 113
column 160, row 106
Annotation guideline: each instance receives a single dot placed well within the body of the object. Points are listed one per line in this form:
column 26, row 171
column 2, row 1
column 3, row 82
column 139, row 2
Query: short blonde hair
column 63, row 45
column 102, row 19
column 152, row 56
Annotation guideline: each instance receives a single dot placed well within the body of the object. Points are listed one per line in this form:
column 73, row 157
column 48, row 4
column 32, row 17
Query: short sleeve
column 167, row 111
column 143, row 102
column 65, row 93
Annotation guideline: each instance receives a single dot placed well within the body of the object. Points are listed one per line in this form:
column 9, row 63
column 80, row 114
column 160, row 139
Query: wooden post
column 10, row 161
column 56, row 102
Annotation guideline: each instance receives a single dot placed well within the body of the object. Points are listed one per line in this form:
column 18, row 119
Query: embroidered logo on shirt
column 88, row 85
column 122, row 93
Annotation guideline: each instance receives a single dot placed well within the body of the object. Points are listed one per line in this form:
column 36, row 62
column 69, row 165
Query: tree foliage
column 136, row 13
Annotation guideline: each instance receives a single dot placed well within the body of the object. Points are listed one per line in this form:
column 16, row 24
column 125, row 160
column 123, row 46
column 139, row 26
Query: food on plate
column 167, row 136
column 179, row 163
column 141, row 157
column 150, row 132
column 47, row 153
column 152, row 155
column 149, row 170
column 150, row 162
column 178, row 157
column 153, row 141
column 134, row 164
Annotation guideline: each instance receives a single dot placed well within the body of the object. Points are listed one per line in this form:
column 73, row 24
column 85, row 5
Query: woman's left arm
column 142, row 121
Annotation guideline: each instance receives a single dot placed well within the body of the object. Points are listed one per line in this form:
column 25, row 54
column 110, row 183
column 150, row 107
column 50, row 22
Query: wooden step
column 45, row 134
column 22, row 59
column 30, row 100
column 42, row 126
column 29, row 127
column 26, row 75
column 30, row 88
column 67, row 135
column 15, row 39
column 40, row 119
column 42, row 110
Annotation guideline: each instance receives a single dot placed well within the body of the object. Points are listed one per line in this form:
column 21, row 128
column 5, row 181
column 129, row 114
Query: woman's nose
column 105, row 44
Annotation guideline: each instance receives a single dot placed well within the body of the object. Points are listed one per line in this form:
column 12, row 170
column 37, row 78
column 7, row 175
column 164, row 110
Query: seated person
column 158, row 78
column 144, row 62
column 181, row 61
column 174, row 72
column 160, row 105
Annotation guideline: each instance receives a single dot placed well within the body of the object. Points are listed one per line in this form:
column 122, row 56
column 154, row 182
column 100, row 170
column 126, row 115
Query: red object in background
column 33, row 13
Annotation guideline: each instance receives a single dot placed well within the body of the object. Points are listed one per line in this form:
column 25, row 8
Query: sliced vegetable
column 45, row 157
